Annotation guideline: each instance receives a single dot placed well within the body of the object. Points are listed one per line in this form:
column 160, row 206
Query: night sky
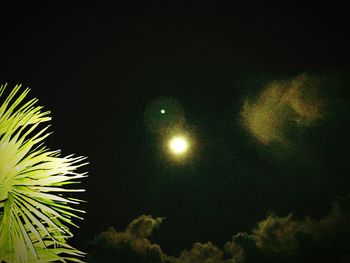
column 99, row 67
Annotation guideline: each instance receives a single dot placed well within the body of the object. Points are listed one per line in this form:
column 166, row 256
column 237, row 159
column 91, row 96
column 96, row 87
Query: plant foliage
column 35, row 213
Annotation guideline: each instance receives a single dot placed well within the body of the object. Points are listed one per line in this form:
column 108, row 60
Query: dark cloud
column 286, row 239
column 277, row 234
column 143, row 226
column 274, row 239
column 131, row 245
column 241, row 249
column 201, row 253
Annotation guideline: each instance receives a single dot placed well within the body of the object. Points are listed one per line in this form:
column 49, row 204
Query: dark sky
column 96, row 67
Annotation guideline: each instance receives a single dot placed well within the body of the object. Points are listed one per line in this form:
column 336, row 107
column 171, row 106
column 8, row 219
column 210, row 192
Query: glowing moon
column 178, row 145
column 162, row 111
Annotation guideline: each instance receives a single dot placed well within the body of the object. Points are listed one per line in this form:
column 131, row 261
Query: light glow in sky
column 178, row 145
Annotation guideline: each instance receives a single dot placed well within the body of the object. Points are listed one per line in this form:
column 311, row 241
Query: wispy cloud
column 283, row 105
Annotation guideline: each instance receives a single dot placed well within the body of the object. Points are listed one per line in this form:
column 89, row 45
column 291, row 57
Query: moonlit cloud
column 143, row 226
column 274, row 239
column 130, row 245
column 283, row 105
column 241, row 249
column 201, row 253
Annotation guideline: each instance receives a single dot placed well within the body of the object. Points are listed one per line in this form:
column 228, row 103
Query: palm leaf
column 34, row 213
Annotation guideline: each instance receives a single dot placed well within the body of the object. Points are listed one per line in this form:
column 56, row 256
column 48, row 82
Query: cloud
column 131, row 245
column 201, row 253
column 274, row 239
column 242, row 249
column 143, row 226
column 277, row 234
column 287, row 239
column 283, row 105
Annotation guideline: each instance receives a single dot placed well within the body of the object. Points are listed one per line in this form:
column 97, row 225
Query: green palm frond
column 35, row 215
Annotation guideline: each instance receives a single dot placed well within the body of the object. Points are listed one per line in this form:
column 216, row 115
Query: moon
column 178, row 145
